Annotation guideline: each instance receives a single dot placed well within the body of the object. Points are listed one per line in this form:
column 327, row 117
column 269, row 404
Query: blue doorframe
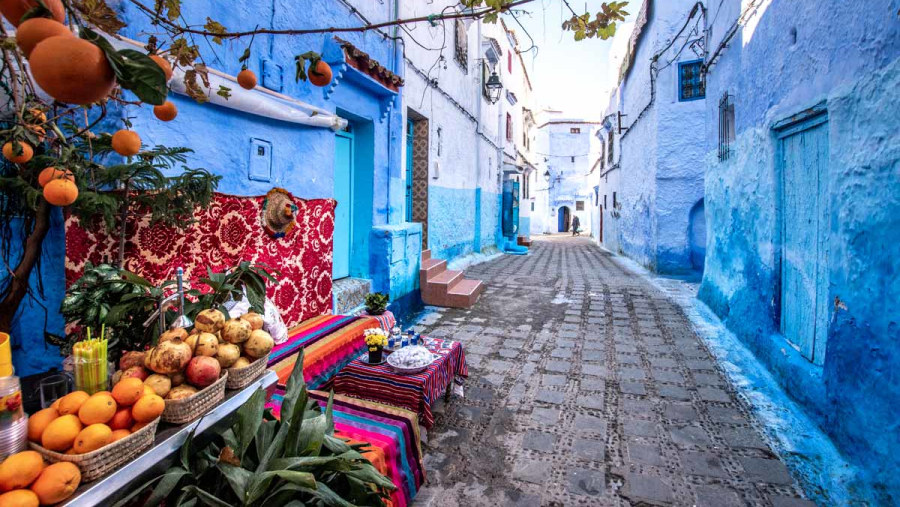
column 410, row 139
column 562, row 219
column 343, row 213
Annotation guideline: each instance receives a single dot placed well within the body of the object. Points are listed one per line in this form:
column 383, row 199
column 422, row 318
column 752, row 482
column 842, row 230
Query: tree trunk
column 18, row 286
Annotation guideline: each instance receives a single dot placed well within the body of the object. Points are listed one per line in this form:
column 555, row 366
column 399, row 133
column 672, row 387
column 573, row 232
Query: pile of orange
column 79, row 423
column 25, row 481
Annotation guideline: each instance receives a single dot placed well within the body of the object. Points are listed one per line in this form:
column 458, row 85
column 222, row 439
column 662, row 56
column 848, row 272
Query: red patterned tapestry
column 227, row 232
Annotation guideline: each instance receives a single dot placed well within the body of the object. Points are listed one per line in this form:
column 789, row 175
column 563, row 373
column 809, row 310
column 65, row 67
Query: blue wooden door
column 410, row 138
column 343, row 213
column 804, row 307
column 562, row 219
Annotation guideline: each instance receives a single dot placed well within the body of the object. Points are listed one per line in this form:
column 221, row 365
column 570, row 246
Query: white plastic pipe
column 259, row 101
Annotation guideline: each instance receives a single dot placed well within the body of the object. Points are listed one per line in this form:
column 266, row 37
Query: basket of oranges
column 99, row 432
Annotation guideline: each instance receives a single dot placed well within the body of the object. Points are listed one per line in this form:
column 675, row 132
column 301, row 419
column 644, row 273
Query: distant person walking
column 575, row 225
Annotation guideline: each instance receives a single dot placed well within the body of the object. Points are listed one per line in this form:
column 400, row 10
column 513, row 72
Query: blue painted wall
column 792, row 56
column 302, row 157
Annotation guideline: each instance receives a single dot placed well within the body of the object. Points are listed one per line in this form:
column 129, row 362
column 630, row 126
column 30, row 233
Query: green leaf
column 238, row 478
column 206, row 498
column 295, row 385
column 134, row 70
column 249, row 421
column 214, row 27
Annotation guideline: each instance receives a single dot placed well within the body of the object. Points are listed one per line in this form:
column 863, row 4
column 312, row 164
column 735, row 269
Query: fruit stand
column 168, row 442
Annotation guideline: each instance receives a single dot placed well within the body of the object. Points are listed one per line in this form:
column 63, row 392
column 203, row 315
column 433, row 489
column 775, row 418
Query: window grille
column 579, row 205
column 509, row 127
column 604, row 201
column 575, row 130
column 461, row 54
column 610, row 138
column 509, row 61
column 691, row 83
column 726, row 126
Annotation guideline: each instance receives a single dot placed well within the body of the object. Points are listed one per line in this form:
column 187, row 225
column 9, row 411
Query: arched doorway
column 697, row 236
column 563, row 219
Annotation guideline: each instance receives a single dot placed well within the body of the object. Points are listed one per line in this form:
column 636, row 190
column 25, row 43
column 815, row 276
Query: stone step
column 429, row 269
column 447, row 279
column 426, row 254
column 464, row 294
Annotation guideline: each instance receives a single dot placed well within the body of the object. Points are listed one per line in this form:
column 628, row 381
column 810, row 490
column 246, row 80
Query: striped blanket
column 329, row 343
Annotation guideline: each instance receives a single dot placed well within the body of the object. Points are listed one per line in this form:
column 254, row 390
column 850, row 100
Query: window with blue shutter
column 691, row 85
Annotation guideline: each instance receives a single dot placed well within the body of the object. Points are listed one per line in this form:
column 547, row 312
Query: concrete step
column 464, row 294
column 426, row 254
column 447, row 279
column 431, row 268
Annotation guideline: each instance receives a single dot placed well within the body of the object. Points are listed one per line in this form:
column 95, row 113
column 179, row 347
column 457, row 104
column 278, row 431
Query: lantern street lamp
column 547, row 176
column 494, row 86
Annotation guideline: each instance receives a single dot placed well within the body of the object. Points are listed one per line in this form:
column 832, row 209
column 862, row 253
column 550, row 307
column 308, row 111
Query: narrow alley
column 587, row 386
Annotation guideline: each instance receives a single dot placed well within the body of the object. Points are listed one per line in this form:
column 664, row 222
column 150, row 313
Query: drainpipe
column 476, row 243
column 396, row 70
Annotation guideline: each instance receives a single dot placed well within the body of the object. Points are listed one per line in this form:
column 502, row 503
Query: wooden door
column 804, row 307
column 343, row 213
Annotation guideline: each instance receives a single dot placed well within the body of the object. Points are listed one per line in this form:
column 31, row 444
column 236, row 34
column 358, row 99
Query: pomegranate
column 209, row 321
column 131, row 358
column 227, row 355
column 170, row 357
column 259, row 344
column 207, row 345
column 202, row 371
column 137, row 372
column 237, row 331
column 256, row 320
column 181, row 392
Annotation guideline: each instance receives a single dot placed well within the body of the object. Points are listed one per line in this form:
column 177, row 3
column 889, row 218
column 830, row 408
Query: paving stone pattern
column 588, row 387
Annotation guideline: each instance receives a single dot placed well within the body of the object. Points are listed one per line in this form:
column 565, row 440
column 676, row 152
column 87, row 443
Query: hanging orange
column 13, row 10
column 22, row 158
column 126, row 143
column 166, row 112
column 52, row 173
column 72, row 70
column 60, row 192
column 35, row 30
column 247, row 79
column 321, row 74
column 163, row 64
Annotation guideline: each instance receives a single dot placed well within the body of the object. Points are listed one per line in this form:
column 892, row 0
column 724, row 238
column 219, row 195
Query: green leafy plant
column 118, row 299
column 263, row 461
column 244, row 279
column 376, row 303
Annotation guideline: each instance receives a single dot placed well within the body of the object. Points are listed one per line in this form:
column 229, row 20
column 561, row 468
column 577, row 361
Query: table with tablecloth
column 416, row 392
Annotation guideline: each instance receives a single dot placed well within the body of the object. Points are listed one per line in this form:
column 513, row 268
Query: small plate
column 365, row 360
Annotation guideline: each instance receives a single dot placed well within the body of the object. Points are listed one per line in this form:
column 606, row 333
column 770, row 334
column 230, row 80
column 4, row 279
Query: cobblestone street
column 588, row 387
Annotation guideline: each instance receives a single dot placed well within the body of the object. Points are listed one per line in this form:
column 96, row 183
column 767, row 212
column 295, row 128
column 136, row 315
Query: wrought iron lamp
column 494, row 87
column 547, row 176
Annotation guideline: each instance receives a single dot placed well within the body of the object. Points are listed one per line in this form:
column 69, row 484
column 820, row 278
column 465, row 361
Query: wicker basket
column 192, row 407
column 242, row 377
column 96, row 464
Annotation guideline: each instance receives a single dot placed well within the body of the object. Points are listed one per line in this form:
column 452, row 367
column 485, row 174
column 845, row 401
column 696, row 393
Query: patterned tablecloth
column 414, row 392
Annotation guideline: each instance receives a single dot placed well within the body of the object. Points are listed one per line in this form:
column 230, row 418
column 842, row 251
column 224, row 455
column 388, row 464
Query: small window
column 610, row 137
column 509, row 127
column 691, row 83
column 461, row 55
column 614, row 200
column 574, row 130
column 532, row 206
column 509, row 59
column 726, row 126
column 604, row 201
column 579, row 205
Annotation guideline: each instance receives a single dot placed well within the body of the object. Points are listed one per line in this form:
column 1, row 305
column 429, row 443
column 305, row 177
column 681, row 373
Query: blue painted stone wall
column 302, row 157
column 791, row 56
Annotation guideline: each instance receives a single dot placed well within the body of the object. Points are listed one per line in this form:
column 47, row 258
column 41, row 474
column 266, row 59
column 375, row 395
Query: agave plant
column 261, row 460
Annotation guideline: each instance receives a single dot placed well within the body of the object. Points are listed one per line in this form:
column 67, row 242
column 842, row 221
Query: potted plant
column 376, row 303
column 376, row 341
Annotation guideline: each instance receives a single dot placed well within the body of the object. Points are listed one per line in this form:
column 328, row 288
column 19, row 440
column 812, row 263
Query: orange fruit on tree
column 72, row 70
column 20, row 469
column 13, row 10
column 119, row 434
column 52, row 173
column 128, row 391
column 35, row 30
column 99, row 408
column 23, row 156
column 19, row 498
column 60, row 192
column 92, row 438
column 164, row 65
column 61, row 432
column 122, row 419
column 70, row 403
column 320, row 74
column 37, row 116
column 247, row 79
column 166, row 112
column 38, row 422
column 126, row 143
column 57, row 482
